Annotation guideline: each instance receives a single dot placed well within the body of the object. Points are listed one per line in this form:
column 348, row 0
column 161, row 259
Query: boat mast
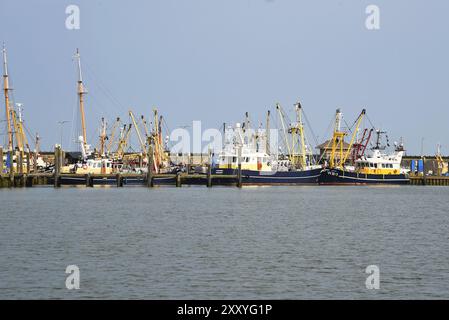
column 139, row 136
column 6, row 91
column 284, row 130
column 301, row 133
column 267, row 134
column 112, row 136
column 37, row 145
column 81, row 93
column 102, row 137
column 357, row 126
column 337, row 141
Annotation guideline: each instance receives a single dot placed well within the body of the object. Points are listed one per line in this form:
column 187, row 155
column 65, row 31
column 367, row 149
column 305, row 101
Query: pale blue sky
column 213, row 60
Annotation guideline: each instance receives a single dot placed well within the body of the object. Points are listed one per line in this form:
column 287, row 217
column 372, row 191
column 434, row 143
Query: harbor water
column 224, row 242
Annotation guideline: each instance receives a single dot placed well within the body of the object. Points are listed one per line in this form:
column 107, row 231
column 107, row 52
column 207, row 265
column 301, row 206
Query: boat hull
column 253, row 177
column 343, row 177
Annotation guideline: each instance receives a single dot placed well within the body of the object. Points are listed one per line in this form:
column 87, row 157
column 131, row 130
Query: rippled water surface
column 220, row 243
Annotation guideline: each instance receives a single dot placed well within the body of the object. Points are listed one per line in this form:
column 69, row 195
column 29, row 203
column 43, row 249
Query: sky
column 215, row 60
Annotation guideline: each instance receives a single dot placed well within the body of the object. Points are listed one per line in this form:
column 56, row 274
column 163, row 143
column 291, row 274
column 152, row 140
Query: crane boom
column 136, row 128
column 358, row 122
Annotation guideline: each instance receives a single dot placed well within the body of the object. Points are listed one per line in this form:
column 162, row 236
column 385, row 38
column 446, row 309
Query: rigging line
column 98, row 104
column 310, row 128
column 103, row 87
column 113, row 103
column 355, row 121
column 283, row 142
column 328, row 128
column 369, row 120
column 29, row 132
column 164, row 123
column 347, row 125
column 72, row 126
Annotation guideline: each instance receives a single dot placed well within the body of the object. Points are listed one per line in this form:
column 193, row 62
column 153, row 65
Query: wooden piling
column 150, row 165
column 89, row 181
column 424, row 180
column 119, row 180
column 35, row 162
column 209, row 175
column 1, row 160
column 209, row 171
column 20, row 181
column 57, row 173
column 28, row 181
column 178, row 180
column 28, row 162
column 189, row 163
column 19, row 157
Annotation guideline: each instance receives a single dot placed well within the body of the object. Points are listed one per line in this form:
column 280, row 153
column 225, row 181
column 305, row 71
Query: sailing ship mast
column 81, row 93
column 7, row 106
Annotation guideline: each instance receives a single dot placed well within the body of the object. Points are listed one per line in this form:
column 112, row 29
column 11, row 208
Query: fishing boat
column 89, row 164
column 18, row 156
column 379, row 167
column 250, row 150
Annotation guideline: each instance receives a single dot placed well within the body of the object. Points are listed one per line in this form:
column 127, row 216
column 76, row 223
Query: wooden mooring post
column 28, row 181
column 21, row 178
column 209, row 171
column 35, row 162
column 178, row 180
column 1, row 160
column 119, row 180
column 28, row 162
column 150, row 165
column 57, row 173
column 89, row 181
column 20, row 162
column 424, row 180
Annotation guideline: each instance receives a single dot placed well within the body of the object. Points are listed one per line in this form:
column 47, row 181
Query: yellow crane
column 294, row 136
column 136, row 128
column 112, row 135
column 123, row 142
column 21, row 140
column 441, row 165
column 19, row 144
column 160, row 155
column 338, row 141
column 145, row 126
